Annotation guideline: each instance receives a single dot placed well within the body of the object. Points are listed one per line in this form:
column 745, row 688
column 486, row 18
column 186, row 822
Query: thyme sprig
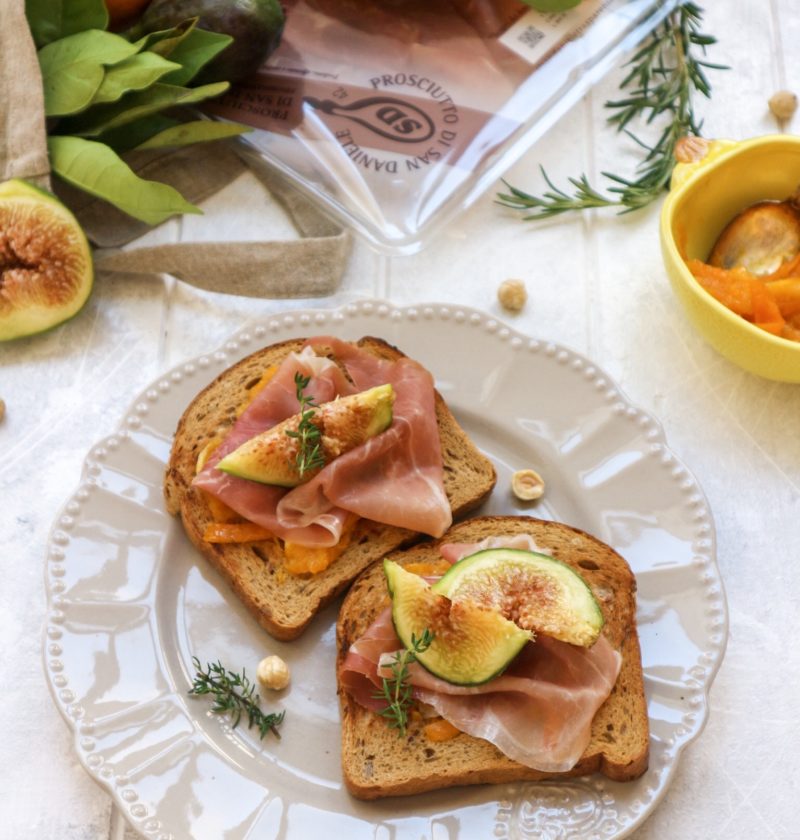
column 396, row 690
column 664, row 74
column 309, row 455
column 234, row 694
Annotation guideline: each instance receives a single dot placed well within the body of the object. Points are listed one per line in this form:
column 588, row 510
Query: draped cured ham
column 538, row 712
column 453, row 552
column 395, row 478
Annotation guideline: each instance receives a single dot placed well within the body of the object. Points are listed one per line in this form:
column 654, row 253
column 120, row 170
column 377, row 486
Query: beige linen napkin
column 23, row 142
column 307, row 267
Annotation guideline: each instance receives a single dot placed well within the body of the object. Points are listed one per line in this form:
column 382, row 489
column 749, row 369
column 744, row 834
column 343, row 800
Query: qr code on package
column 530, row 36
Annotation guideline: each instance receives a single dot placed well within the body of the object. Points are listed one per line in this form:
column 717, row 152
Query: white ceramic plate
column 130, row 602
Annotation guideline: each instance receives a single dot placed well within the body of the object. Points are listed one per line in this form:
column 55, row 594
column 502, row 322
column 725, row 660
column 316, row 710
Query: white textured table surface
column 596, row 284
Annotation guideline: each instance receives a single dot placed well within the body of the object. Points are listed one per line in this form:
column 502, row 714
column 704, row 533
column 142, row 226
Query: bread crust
column 284, row 604
column 376, row 763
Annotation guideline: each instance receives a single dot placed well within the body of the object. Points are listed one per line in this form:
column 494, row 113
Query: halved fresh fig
column 535, row 591
column 471, row 644
column 343, row 424
column 46, row 271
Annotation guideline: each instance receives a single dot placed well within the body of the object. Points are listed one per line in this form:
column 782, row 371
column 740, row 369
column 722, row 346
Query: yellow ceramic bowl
column 704, row 197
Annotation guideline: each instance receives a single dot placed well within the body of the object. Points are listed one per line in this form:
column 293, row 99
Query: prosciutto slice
column 538, row 712
column 396, row 477
column 453, row 552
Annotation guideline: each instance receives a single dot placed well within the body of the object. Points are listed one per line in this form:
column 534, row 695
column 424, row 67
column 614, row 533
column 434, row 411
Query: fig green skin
column 256, row 27
column 465, row 663
column 552, row 5
column 580, row 618
column 17, row 188
column 24, row 322
column 266, row 458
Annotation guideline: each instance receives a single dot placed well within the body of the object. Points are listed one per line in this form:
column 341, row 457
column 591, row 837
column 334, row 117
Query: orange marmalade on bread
column 228, row 527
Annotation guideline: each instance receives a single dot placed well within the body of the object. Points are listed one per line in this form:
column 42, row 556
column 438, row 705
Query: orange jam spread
column 228, row 527
column 256, row 389
column 440, row 730
column 428, row 568
column 235, row 532
column 220, row 512
column 252, row 391
column 308, row 560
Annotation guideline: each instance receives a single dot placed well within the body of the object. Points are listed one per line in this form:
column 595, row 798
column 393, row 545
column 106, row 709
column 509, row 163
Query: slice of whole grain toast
column 377, row 763
column 282, row 603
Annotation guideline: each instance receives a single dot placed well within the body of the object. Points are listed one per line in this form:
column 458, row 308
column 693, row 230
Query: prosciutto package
column 395, row 478
column 539, row 712
column 396, row 114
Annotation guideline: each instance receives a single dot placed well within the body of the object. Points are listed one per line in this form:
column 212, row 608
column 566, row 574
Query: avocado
column 342, row 425
column 536, row 591
column 256, row 27
column 471, row 644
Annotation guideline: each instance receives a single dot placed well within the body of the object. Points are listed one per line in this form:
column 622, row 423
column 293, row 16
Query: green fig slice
column 343, row 424
column 471, row 644
column 46, row 271
column 535, row 591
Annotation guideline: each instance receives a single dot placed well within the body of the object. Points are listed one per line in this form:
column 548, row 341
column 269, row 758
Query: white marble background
column 596, row 284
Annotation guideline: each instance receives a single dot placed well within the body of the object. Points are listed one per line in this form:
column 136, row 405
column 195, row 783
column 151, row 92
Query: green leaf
column 98, row 170
column 191, row 47
column 135, row 73
column 199, row 131
column 193, row 52
column 134, row 106
column 552, row 5
column 91, row 45
column 132, row 135
column 50, row 20
column 164, row 41
column 71, row 89
column 73, row 68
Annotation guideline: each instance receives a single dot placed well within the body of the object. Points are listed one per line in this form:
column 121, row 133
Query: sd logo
column 386, row 116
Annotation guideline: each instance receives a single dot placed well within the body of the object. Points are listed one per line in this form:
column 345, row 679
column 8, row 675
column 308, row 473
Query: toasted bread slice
column 282, row 603
column 377, row 763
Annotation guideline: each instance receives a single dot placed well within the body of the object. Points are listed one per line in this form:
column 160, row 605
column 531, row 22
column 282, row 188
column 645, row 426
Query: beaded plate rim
column 615, row 815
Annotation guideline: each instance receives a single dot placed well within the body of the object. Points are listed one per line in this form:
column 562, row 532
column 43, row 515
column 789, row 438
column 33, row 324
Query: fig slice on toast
column 471, row 643
column 342, row 425
column 535, row 591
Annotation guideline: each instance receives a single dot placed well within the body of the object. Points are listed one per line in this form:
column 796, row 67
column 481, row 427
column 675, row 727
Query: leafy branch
column 309, row 455
column 105, row 94
column 664, row 74
column 234, row 695
column 396, row 690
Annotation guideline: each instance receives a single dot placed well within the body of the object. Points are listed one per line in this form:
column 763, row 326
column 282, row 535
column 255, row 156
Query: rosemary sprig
column 396, row 690
column 663, row 76
column 234, row 695
column 309, row 455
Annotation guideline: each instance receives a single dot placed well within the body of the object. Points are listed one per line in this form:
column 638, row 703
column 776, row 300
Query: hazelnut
column 690, row 149
column 512, row 295
column 783, row 104
column 273, row 672
column 527, row 485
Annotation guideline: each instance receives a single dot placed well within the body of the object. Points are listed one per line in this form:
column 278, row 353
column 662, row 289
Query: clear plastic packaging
column 397, row 114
